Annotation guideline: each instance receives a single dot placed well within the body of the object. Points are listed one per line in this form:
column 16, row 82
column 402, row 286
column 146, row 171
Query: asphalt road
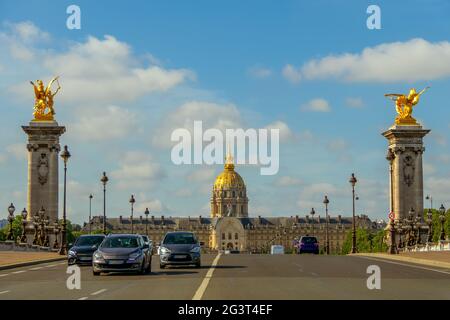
column 242, row 277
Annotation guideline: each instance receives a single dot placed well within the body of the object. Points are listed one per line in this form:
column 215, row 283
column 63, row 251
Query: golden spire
column 229, row 161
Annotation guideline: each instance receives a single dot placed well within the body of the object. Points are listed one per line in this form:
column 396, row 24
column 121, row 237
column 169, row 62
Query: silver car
column 179, row 248
column 122, row 253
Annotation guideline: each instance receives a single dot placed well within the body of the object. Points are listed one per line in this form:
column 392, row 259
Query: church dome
column 229, row 179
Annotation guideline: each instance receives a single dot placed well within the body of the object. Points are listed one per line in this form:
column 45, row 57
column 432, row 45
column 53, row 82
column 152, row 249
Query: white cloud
column 183, row 192
column 287, row 181
column 413, row 60
column 291, row 74
column 103, row 70
column 337, row 145
column 260, row 72
column 316, row 105
column 213, row 115
column 354, row 102
column 285, row 132
column 103, row 123
column 137, row 170
column 18, row 151
column 201, row 175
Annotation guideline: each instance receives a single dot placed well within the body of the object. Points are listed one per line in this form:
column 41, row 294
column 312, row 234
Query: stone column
column 406, row 143
column 43, row 148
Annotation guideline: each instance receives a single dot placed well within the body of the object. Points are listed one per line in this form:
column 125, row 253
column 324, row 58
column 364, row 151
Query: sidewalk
column 439, row 259
column 14, row 259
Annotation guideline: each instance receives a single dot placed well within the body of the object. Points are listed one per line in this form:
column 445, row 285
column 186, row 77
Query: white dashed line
column 98, row 292
column 6, row 291
column 20, row 271
column 4, row 275
column 37, row 268
column 52, row 265
column 83, row 298
column 201, row 290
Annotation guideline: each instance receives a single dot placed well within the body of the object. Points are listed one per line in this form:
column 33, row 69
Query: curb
column 30, row 263
column 432, row 263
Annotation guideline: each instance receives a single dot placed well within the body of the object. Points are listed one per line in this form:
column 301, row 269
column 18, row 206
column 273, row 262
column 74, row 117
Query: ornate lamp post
column 90, row 213
column 353, row 183
column 442, row 219
column 104, row 181
column 313, row 212
column 411, row 227
column 10, row 235
column 327, row 240
column 430, row 225
column 393, row 246
column 132, row 201
column 147, row 212
column 428, row 197
column 65, row 155
column 23, row 237
column 56, row 232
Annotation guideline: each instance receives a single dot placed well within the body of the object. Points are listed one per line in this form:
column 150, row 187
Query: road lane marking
column 6, row 291
column 4, row 275
column 36, row 268
column 201, row 290
column 20, row 271
column 83, row 298
column 51, row 265
column 98, row 292
column 404, row 264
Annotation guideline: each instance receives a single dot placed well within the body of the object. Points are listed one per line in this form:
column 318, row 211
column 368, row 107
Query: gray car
column 122, row 253
column 180, row 248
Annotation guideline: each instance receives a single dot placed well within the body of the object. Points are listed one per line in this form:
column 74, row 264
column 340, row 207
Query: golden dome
column 229, row 179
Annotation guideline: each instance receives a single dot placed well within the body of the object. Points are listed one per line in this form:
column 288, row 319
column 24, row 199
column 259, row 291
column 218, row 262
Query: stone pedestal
column 43, row 149
column 406, row 145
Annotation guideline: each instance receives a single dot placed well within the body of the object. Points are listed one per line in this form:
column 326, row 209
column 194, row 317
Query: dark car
column 122, row 253
column 308, row 244
column 179, row 248
column 84, row 247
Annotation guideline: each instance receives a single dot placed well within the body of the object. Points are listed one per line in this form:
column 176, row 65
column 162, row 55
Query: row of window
column 230, row 236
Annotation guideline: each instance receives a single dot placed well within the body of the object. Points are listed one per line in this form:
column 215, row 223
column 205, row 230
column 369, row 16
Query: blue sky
column 311, row 68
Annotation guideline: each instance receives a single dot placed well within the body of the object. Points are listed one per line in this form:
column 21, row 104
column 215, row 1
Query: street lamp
column 147, row 212
column 104, row 180
column 430, row 225
column 10, row 235
column 132, row 201
column 65, row 155
column 90, row 213
column 56, row 232
column 428, row 197
column 313, row 212
column 353, row 183
column 442, row 218
column 23, row 238
column 327, row 240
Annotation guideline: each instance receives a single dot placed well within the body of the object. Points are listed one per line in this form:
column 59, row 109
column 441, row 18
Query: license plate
column 180, row 256
column 85, row 258
column 115, row 262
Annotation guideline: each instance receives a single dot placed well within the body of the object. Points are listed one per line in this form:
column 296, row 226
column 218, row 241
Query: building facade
column 229, row 226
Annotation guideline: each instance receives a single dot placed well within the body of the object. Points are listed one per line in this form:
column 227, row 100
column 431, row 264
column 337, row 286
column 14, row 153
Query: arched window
column 229, row 236
column 236, row 236
column 234, row 194
column 223, row 236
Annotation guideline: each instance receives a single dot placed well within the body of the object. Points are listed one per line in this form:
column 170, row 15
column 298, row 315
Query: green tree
column 436, row 225
column 16, row 227
column 366, row 241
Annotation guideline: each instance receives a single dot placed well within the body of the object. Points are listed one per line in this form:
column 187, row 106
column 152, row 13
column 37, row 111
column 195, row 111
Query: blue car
column 308, row 244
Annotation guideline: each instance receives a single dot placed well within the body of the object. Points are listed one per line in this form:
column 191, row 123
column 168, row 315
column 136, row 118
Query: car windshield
column 309, row 240
column 120, row 242
column 89, row 241
column 180, row 238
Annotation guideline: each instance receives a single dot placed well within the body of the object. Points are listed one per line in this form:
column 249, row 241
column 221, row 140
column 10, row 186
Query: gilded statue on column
column 43, row 104
column 404, row 105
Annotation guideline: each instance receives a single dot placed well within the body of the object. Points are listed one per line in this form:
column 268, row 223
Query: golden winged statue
column 404, row 105
column 44, row 100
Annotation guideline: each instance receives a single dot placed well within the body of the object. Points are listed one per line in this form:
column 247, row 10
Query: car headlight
column 164, row 250
column 72, row 253
column 196, row 250
column 134, row 255
column 98, row 256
